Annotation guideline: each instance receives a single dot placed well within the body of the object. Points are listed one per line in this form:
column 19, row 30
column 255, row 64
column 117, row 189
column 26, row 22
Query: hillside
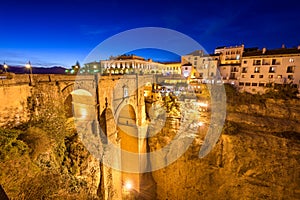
column 37, row 70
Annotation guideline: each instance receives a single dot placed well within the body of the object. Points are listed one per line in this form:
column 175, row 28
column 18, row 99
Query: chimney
column 283, row 46
column 264, row 50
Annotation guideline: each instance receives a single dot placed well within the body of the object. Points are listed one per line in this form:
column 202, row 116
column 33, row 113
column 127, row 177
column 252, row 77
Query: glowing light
column 28, row 65
column 128, row 185
column 203, row 104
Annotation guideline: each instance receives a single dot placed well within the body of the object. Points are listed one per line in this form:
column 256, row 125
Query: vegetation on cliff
column 44, row 158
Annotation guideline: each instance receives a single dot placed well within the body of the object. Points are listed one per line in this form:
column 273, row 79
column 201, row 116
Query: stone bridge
column 106, row 109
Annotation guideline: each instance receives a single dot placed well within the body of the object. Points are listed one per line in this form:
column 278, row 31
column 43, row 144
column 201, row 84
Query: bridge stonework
column 104, row 97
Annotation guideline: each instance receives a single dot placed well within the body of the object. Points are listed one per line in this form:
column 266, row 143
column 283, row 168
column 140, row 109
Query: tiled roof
column 187, row 64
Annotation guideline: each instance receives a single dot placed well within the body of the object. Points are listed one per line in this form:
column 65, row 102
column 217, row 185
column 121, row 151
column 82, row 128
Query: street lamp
column 5, row 66
column 28, row 66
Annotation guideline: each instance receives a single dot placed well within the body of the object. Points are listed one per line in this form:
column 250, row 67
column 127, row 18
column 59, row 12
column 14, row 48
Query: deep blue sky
column 60, row 32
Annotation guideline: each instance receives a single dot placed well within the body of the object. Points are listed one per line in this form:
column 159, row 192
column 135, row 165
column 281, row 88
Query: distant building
column 129, row 64
column 230, row 62
column 201, row 67
column 265, row 68
column 172, row 68
column 92, row 67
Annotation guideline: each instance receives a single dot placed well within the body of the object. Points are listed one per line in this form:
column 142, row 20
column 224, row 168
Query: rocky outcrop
column 256, row 157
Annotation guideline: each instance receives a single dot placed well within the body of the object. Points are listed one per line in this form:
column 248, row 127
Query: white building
column 230, row 62
column 130, row 64
column 264, row 68
column 200, row 67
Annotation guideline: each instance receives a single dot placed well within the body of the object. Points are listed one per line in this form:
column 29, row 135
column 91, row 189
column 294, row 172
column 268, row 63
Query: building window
column 252, row 76
column 244, row 70
column 256, row 69
column 261, row 84
column 195, row 58
column 211, row 74
column 241, row 83
column 290, row 77
column 275, row 62
column 243, row 76
column 261, row 76
column 186, row 68
column 201, row 75
column 247, row 84
column 125, row 91
column 195, row 62
column 279, row 76
column 291, row 60
column 256, row 62
column 290, row 69
column 254, row 84
column 271, row 76
column 272, row 70
column 234, row 69
column 245, row 61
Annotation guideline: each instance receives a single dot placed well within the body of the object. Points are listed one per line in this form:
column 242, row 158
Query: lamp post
column 28, row 66
column 5, row 66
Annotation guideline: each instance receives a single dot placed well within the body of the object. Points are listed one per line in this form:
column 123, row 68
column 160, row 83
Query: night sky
column 61, row 32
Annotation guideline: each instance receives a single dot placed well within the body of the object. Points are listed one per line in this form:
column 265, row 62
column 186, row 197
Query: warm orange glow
column 128, row 185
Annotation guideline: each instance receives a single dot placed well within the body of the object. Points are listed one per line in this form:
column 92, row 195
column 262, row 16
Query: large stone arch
column 71, row 87
column 84, row 105
column 124, row 103
column 68, row 93
column 111, row 179
column 129, row 142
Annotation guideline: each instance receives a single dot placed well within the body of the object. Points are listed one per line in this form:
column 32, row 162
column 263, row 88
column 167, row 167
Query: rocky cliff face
column 256, row 157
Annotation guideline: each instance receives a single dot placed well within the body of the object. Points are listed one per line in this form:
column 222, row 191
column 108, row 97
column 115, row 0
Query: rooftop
column 126, row 57
column 196, row 53
column 266, row 52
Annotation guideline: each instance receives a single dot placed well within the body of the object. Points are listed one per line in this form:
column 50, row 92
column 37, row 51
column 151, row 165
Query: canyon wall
column 256, row 157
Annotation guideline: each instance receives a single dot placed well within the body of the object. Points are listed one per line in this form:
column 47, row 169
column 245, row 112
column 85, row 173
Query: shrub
column 11, row 146
column 37, row 140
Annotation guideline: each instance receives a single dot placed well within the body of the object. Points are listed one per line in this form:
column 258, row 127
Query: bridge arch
column 129, row 142
column 69, row 88
column 124, row 103
column 71, row 94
